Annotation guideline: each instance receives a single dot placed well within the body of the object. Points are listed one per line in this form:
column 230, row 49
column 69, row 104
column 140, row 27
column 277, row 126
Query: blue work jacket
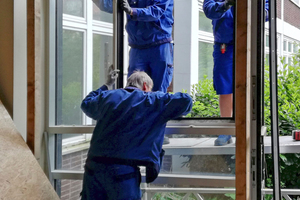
column 150, row 24
column 130, row 125
column 222, row 19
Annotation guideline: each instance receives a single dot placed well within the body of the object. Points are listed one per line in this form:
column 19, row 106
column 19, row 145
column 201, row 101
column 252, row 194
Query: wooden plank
column 31, row 74
column 242, row 126
column 21, row 177
column 6, row 53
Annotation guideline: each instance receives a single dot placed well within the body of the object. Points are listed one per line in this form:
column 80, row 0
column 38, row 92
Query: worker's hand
column 229, row 3
column 126, row 7
column 112, row 76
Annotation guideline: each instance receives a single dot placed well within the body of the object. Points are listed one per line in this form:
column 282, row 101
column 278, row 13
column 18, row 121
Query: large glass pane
column 197, row 157
column 73, row 7
column 204, row 23
column 206, row 63
column 196, row 61
column 102, row 58
column 101, row 15
column 70, row 79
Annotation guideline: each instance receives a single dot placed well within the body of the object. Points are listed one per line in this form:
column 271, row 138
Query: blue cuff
column 134, row 14
column 104, row 87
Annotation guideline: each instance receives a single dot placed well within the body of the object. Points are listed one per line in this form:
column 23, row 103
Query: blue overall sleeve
column 104, row 5
column 267, row 10
column 176, row 105
column 90, row 104
column 151, row 13
column 214, row 10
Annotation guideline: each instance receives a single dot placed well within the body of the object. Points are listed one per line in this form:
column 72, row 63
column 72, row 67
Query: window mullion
column 88, row 54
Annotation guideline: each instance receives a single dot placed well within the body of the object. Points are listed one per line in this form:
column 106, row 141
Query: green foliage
column 232, row 196
column 288, row 120
column 205, row 99
column 71, row 100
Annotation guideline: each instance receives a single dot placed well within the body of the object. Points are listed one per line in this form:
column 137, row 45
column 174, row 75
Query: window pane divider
column 205, row 129
column 221, row 180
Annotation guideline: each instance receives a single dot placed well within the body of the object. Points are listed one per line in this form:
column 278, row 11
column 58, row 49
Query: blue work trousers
column 111, row 182
column 156, row 61
column 223, row 69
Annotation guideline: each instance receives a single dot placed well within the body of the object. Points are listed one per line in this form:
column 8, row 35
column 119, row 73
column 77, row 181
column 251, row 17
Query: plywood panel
column 31, row 47
column 241, row 78
column 21, row 177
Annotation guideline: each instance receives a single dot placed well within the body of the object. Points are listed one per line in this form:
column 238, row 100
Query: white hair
column 137, row 79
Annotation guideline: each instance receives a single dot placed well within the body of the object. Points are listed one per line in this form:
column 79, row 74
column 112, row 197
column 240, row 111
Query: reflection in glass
column 204, row 23
column 267, row 41
column 70, row 189
column 102, row 58
column 267, row 60
column 206, row 63
column 190, row 195
column 289, row 61
column 284, row 60
column 73, row 7
column 204, row 163
column 295, row 48
column 289, row 46
column 101, row 15
column 70, row 79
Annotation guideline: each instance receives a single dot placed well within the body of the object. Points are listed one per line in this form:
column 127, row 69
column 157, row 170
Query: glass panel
column 178, row 195
column 204, row 23
column 70, row 189
column 205, row 60
column 267, row 41
column 295, row 48
column 290, row 46
column 284, row 60
column 198, row 68
column 289, row 61
column 70, row 79
column 195, row 158
column 284, row 45
column 102, row 58
column 101, row 15
column 297, row 2
column 267, row 60
column 71, row 155
column 73, row 7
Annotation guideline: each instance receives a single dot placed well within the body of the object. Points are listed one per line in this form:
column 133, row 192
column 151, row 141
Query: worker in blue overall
column 129, row 133
column 149, row 27
column 221, row 12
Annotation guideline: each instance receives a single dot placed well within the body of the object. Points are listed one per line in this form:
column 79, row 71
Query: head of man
column 141, row 80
